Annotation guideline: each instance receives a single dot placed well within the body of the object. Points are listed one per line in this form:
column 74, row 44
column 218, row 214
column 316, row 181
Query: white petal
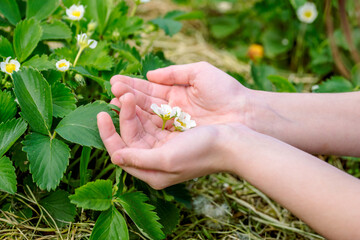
column 92, row 43
column 155, row 108
column 7, row 59
column 3, row 65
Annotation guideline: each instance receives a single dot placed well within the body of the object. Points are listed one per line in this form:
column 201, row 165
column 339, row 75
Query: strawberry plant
column 57, row 61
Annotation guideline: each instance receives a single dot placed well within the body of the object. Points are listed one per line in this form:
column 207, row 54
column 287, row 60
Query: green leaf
column 27, row 35
column 130, row 53
column 40, row 63
column 55, row 30
column 151, row 62
column 94, row 195
column 84, row 161
column 7, row 176
column 81, row 70
column 48, row 159
column 6, row 49
column 181, row 15
column 334, row 85
column 10, row 131
column 40, row 9
column 355, row 75
column 34, row 96
column 222, row 27
column 10, row 10
column 282, row 84
column 169, row 215
column 100, row 11
column 297, row 3
column 8, row 106
column 80, row 125
column 110, row 225
column 64, row 101
column 260, row 75
column 170, row 26
column 181, row 194
column 58, row 205
column 142, row 213
column 97, row 58
column 273, row 40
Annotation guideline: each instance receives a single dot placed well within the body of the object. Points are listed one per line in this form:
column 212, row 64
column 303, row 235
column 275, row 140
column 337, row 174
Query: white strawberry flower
column 165, row 111
column 63, row 65
column 75, row 12
column 307, row 13
column 183, row 122
column 84, row 41
column 10, row 65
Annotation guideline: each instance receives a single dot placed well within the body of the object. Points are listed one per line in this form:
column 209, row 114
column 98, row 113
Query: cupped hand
column 160, row 157
column 208, row 94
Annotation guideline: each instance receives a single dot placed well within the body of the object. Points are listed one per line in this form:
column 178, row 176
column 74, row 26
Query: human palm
column 209, row 95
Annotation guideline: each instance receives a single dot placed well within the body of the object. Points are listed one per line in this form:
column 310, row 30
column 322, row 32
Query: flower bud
column 80, row 79
column 256, row 52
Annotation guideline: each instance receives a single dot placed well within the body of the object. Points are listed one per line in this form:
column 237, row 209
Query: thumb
column 176, row 74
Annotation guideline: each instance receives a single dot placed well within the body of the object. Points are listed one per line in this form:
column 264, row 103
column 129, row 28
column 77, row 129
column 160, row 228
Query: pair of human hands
column 215, row 100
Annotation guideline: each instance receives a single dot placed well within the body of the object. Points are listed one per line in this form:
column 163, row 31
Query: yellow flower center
column 182, row 124
column 308, row 14
column 10, row 67
column 76, row 13
column 62, row 65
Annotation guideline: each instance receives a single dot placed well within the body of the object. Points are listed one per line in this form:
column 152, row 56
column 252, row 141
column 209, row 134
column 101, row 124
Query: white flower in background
column 165, row 111
column 183, row 122
column 224, row 6
column 84, row 41
column 10, row 65
column 62, row 65
column 144, row 1
column 75, row 12
column 314, row 88
column 307, row 13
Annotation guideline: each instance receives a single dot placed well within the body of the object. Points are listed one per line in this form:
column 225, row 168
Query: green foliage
column 63, row 100
column 142, row 214
column 169, row 23
column 80, row 126
column 151, row 62
column 100, row 11
column 8, row 106
column 169, row 215
column 55, row 30
column 58, row 205
column 282, row 84
column 10, row 9
column 110, row 225
column 6, row 49
column 40, row 63
column 10, row 131
column 335, row 84
column 48, row 159
column 94, row 195
column 40, row 9
column 34, row 96
column 260, row 75
column 7, row 175
column 27, row 35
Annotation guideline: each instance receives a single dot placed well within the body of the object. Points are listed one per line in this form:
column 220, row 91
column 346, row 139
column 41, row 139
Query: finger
column 149, row 159
column 176, row 74
column 143, row 86
column 131, row 129
column 115, row 102
column 156, row 179
column 142, row 100
column 108, row 134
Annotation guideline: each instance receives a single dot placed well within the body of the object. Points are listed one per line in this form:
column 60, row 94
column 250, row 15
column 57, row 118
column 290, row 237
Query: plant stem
column 163, row 126
column 78, row 55
column 299, row 54
column 133, row 11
